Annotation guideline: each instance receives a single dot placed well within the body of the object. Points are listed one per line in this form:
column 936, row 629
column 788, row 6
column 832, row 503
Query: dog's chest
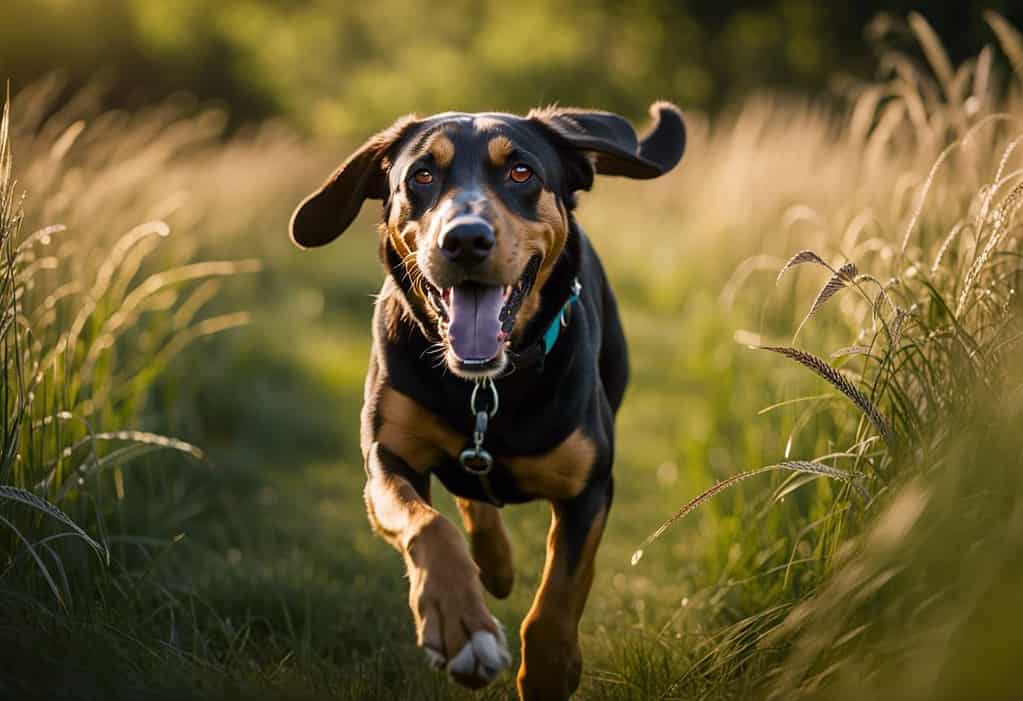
column 524, row 468
column 558, row 474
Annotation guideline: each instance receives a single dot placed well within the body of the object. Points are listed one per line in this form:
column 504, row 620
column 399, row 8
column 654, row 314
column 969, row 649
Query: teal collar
column 550, row 336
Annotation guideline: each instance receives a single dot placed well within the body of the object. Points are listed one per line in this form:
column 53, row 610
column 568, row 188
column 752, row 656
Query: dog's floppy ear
column 613, row 142
column 325, row 214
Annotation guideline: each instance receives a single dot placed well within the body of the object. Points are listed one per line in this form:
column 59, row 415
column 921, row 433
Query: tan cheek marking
column 499, row 148
column 443, row 150
column 518, row 239
column 508, row 229
column 406, row 238
column 413, row 433
column 555, row 234
column 403, row 238
column 560, row 473
column 393, row 311
column 400, row 231
column 548, row 238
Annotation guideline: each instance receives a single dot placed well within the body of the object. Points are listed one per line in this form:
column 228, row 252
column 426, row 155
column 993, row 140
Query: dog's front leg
column 453, row 625
column 551, row 658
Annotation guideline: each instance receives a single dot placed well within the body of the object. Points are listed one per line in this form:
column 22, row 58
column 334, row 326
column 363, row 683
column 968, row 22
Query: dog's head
column 477, row 207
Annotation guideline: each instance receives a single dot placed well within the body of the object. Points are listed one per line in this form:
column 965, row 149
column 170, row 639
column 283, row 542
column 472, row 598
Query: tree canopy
column 342, row 68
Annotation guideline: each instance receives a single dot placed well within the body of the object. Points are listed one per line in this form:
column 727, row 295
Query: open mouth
column 477, row 319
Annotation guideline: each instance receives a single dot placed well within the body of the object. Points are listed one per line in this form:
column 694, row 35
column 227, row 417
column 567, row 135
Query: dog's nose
column 466, row 240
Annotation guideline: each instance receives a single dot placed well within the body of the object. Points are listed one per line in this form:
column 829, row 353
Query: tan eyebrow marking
column 499, row 148
column 485, row 124
column 443, row 150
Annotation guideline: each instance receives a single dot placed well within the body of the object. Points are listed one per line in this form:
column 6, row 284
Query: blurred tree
column 344, row 68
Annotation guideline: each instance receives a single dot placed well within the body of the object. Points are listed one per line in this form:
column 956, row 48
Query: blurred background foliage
column 342, row 69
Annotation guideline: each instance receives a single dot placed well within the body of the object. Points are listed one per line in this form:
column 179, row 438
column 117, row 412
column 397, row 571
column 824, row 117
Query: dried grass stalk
column 839, row 382
column 803, row 466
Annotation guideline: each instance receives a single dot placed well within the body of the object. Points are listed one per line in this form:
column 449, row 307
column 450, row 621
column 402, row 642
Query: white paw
column 483, row 657
column 479, row 661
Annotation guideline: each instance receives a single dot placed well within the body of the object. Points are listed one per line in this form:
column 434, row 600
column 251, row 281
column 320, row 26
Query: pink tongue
column 474, row 311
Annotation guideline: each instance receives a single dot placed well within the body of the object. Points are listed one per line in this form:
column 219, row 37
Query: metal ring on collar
column 493, row 393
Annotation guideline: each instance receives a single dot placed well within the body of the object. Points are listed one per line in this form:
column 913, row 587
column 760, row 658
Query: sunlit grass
column 94, row 309
column 926, row 355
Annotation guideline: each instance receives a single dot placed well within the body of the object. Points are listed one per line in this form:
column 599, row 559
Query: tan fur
column 396, row 510
column 401, row 231
column 395, row 312
column 445, row 593
column 445, row 580
column 499, row 148
column 420, row 438
column 485, row 124
column 442, row 148
column 519, row 239
column 415, row 435
column 560, row 473
column 552, row 214
column 551, row 658
column 446, row 577
column 403, row 235
column 490, row 545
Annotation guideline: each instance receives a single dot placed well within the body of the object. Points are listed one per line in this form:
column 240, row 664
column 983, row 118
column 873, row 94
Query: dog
column 498, row 363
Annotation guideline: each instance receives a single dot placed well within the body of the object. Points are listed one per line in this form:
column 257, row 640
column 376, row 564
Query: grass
column 249, row 569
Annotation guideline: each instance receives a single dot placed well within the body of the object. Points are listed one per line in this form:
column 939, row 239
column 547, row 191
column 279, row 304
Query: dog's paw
column 453, row 625
column 458, row 634
column 481, row 659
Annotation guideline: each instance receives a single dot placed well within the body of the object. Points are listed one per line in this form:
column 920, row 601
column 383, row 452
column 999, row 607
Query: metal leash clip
column 476, row 459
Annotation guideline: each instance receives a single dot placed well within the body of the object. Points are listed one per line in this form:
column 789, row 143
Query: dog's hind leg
column 491, row 548
column 551, row 659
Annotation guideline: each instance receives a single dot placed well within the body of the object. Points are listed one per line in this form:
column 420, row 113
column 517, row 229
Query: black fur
column 565, row 140
column 580, row 383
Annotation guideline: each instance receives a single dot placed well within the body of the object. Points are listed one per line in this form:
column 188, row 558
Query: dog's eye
column 423, row 176
column 520, row 173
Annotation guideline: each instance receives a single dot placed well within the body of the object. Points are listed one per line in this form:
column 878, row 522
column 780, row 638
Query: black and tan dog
column 498, row 363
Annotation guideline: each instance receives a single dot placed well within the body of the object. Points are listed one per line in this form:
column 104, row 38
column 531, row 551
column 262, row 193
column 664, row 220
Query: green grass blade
column 23, row 496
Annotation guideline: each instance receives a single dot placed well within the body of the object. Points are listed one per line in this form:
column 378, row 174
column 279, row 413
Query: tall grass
column 929, row 337
column 99, row 295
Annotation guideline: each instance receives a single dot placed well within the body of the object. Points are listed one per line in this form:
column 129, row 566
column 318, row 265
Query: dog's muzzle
column 467, row 240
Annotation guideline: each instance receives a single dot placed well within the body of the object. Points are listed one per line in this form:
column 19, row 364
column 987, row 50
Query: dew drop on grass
column 636, row 557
